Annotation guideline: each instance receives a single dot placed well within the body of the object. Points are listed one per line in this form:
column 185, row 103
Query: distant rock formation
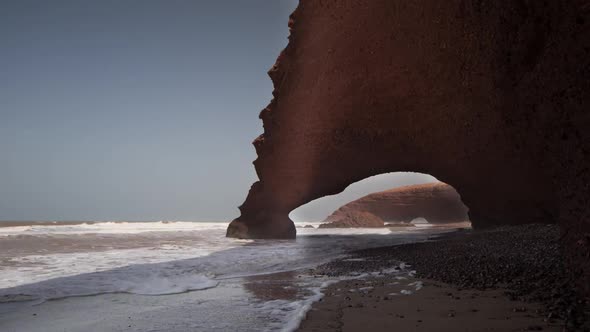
column 354, row 218
column 305, row 226
column 436, row 202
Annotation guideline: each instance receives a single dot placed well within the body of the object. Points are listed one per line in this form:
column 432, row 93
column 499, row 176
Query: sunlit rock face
column 490, row 97
column 435, row 202
column 353, row 218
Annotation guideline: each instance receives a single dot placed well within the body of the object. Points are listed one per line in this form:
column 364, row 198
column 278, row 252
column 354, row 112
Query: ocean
column 169, row 276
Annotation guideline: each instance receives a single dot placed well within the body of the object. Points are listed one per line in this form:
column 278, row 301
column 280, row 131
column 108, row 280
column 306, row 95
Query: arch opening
column 388, row 199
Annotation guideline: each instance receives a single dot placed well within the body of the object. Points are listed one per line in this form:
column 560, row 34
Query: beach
column 391, row 304
column 183, row 276
column 171, row 276
column 502, row 279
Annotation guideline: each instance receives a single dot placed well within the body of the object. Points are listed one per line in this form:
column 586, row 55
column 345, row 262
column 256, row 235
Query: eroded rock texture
column 354, row 218
column 490, row 97
column 436, row 202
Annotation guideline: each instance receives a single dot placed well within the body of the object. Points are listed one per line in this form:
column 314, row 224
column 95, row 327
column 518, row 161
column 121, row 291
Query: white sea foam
column 175, row 267
column 35, row 268
column 286, row 316
column 417, row 284
column 111, row 227
column 365, row 289
column 144, row 281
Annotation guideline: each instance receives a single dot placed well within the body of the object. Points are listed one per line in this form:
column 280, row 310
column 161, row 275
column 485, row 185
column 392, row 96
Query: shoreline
column 515, row 272
column 372, row 287
column 388, row 304
column 150, row 288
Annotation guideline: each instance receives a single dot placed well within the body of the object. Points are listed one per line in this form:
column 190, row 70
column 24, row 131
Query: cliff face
column 436, row 202
column 490, row 97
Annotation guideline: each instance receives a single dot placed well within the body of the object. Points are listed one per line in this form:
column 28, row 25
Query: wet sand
column 504, row 279
column 380, row 305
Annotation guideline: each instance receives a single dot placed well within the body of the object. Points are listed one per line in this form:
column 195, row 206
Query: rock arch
column 490, row 97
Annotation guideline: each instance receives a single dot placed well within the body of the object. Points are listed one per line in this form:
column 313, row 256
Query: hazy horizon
column 137, row 110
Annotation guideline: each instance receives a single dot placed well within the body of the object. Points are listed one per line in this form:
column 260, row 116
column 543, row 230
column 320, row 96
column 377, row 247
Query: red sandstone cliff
column 436, row 202
column 490, row 97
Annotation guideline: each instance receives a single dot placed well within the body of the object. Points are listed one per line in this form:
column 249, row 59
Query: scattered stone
column 526, row 260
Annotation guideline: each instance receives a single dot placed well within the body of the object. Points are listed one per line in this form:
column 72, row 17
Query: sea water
column 168, row 276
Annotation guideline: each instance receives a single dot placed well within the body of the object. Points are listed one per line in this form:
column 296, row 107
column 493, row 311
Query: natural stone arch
column 373, row 100
column 490, row 97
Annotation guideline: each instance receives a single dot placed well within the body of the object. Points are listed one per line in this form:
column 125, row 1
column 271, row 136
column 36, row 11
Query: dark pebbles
column 526, row 260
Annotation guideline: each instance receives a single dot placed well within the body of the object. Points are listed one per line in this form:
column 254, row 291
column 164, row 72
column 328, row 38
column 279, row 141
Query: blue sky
column 133, row 110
